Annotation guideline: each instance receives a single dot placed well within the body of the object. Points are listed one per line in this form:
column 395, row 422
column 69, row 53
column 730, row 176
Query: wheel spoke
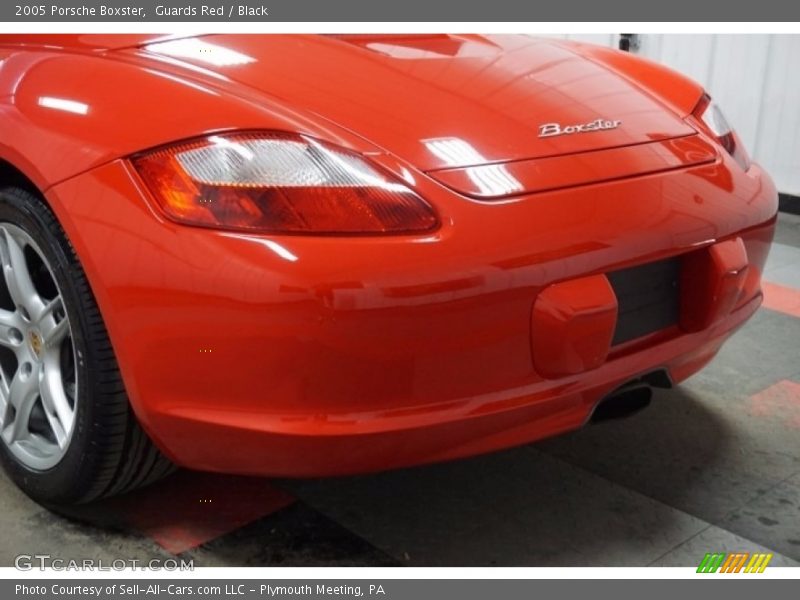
column 54, row 399
column 10, row 322
column 18, row 278
column 53, row 331
column 50, row 308
column 5, row 405
column 54, row 334
column 22, row 395
column 57, row 428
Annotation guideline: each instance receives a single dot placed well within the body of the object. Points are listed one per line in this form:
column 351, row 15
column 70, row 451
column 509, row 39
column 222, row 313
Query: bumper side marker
column 712, row 281
column 572, row 326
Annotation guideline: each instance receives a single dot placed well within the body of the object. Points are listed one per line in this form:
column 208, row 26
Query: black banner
column 390, row 10
column 395, row 589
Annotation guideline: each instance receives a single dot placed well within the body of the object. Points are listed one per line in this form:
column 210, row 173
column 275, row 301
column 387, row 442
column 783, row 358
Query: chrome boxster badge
column 553, row 129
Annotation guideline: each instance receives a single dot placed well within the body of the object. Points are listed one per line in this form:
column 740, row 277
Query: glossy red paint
column 311, row 355
column 572, row 326
column 717, row 278
column 499, row 180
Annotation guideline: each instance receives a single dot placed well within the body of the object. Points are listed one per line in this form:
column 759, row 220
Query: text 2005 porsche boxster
column 318, row 255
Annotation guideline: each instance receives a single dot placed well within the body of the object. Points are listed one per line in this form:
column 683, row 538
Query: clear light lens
column 715, row 120
column 717, row 125
column 279, row 182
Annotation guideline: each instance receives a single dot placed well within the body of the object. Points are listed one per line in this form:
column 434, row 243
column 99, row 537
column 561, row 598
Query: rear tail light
column 715, row 123
column 280, row 183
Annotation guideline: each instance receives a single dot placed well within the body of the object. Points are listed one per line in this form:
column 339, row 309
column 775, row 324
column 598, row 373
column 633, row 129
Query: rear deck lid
column 444, row 102
column 501, row 180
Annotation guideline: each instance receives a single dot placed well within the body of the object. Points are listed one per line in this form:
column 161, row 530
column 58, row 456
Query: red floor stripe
column 186, row 513
column 780, row 401
column 188, row 509
column 781, row 298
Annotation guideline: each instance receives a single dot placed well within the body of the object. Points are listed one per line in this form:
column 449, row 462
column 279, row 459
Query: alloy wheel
column 38, row 374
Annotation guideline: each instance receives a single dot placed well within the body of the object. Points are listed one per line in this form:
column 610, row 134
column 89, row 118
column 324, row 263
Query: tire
column 72, row 437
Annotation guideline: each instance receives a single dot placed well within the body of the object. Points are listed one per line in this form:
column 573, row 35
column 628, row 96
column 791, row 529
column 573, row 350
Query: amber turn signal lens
column 279, row 183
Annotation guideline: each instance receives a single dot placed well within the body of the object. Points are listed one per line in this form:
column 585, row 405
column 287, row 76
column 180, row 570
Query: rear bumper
column 302, row 356
column 312, row 445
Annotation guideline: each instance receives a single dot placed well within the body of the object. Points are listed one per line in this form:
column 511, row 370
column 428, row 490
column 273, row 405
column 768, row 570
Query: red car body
column 305, row 355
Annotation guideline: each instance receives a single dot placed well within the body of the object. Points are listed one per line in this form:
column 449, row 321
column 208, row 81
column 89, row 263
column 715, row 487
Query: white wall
column 754, row 78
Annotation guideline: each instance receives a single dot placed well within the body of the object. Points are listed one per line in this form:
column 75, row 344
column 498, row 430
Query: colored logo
column 738, row 562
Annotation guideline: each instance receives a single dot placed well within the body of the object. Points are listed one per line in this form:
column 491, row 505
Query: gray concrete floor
column 711, row 466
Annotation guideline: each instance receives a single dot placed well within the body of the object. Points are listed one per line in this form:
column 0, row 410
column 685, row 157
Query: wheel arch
column 12, row 175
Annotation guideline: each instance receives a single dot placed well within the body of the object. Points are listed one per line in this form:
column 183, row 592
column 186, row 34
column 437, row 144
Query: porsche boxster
column 319, row 255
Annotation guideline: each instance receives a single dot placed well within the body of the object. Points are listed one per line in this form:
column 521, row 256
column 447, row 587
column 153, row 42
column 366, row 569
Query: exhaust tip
column 623, row 402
